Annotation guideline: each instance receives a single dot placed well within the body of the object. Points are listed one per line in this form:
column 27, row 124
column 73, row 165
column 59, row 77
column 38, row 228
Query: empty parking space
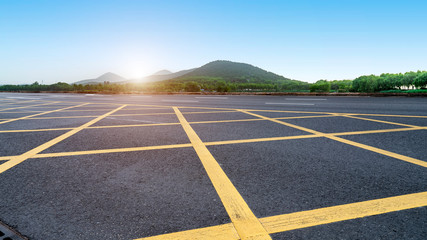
column 210, row 132
column 126, row 137
column 338, row 124
column 45, row 123
column 411, row 144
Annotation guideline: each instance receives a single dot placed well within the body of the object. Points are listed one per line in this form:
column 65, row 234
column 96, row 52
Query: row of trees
column 368, row 83
column 387, row 81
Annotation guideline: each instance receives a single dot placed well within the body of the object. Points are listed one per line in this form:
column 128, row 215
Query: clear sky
column 67, row 41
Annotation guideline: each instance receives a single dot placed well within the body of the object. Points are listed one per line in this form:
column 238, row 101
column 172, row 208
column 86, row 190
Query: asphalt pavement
column 85, row 166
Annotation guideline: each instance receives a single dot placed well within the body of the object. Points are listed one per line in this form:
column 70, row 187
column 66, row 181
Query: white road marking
column 307, row 99
column 141, row 96
column 212, row 97
column 24, row 98
column 175, row 100
column 282, row 103
column 97, row 95
column 104, row 99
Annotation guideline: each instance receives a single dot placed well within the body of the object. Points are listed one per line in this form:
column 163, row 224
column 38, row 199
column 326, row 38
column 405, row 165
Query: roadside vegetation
column 410, row 82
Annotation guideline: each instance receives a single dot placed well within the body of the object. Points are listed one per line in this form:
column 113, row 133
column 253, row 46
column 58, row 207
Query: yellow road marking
column 23, row 112
column 310, row 218
column 387, row 115
column 378, row 131
column 220, row 232
column 244, row 221
column 253, row 140
column 344, row 212
column 225, row 142
column 19, row 159
column 380, row 151
column 255, row 110
column 285, row 123
column 123, row 115
column 381, row 121
column 34, row 130
column 2, row 110
column 113, row 150
column 38, row 114
column 153, row 124
column 9, row 103
column 366, row 147
column 109, row 109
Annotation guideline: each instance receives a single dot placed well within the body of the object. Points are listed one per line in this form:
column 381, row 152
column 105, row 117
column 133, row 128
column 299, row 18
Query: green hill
column 233, row 72
column 232, row 76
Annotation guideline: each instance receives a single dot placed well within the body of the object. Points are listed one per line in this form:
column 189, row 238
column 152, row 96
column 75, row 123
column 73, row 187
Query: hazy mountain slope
column 106, row 77
column 159, row 77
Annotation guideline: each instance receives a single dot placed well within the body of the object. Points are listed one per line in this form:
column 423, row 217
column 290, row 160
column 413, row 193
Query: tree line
column 367, row 83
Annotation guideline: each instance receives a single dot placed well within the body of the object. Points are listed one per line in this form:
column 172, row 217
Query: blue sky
column 67, row 41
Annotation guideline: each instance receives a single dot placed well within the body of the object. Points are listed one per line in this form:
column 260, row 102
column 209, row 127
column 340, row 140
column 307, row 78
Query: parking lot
column 213, row 167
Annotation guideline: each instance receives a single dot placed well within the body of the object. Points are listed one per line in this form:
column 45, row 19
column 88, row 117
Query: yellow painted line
column 352, row 143
column 134, row 125
column 38, row 114
column 220, row 232
column 310, row 218
column 283, row 111
column 225, row 142
column 19, row 159
column 243, row 219
column 27, row 106
column 34, row 130
column 387, row 115
column 228, row 121
column 253, row 140
column 113, row 150
column 5, row 158
column 109, row 109
column 300, row 117
column 339, row 213
column 152, row 124
column 62, row 117
column 380, row 151
column 378, row 131
column 103, row 151
column 284, row 123
column 9, row 103
column 23, row 112
column 123, row 115
column 381, row 121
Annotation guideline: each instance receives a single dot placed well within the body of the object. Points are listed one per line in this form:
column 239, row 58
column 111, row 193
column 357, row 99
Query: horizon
column 49, row 42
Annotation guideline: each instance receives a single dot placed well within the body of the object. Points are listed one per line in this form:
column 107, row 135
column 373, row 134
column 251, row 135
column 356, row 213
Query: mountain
column 163, row 72
column 106, row 77
column 232, row 72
